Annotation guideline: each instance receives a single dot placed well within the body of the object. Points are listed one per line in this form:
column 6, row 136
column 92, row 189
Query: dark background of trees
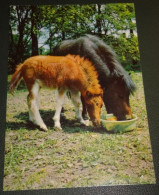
column 35, row 30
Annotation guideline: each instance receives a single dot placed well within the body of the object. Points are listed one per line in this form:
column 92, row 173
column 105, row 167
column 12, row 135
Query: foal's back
column 53, row 71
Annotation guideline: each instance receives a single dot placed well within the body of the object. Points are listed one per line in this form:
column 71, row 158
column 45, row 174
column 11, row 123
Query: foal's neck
column 90, row 76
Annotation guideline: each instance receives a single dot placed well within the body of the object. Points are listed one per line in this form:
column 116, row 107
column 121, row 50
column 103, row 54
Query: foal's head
column 94, row 102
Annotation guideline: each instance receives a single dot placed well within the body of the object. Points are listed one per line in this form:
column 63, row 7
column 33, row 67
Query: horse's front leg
column 84, row 109
column 76, row 99
column 60, row 96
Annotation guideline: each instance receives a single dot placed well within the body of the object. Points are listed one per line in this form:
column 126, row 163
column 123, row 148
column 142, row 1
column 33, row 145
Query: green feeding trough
column 118, row 126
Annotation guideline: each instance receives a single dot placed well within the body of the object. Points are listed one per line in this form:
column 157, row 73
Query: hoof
column 43, row 128
column 57, row 128
column 86, row 122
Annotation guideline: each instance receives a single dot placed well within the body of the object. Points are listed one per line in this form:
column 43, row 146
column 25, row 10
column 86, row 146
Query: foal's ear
column 92, row 92
column 89, row 94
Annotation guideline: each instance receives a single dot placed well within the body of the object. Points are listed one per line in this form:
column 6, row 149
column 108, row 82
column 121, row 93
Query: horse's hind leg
column 34, row 114
column 76, row 99
column 60, row 100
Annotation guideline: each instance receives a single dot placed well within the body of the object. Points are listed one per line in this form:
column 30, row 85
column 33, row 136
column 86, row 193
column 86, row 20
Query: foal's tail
column 16, row 78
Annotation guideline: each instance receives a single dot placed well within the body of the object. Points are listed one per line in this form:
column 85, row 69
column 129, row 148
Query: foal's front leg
column 60, row 96
column 76, row 99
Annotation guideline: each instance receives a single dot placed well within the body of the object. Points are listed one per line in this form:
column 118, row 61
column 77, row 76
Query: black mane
column 101, row 55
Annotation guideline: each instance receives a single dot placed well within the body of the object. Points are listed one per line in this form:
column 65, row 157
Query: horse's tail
column 16, row 78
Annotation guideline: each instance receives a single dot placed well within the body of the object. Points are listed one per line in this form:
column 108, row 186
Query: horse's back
column 93, row 49
column 100, row 54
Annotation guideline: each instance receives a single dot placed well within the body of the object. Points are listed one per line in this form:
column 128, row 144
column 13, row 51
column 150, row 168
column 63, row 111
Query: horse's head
column 94, row 102
column 116, row 99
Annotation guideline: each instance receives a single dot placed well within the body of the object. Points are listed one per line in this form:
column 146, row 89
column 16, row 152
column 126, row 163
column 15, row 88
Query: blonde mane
column 89, row 73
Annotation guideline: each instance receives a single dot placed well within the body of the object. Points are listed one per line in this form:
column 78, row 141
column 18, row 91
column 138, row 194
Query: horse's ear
column 122, row 77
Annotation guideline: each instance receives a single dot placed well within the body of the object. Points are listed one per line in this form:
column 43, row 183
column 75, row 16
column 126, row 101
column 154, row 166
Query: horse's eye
column 121, row 97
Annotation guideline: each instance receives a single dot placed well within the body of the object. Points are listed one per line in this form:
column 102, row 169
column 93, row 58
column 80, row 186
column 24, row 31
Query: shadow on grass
column 26, row 124
column 73, row 126
column 21, row 125
column 69, row 126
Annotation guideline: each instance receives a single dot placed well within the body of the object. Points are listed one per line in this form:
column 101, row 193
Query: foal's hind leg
column 76, row 99
column 60, row 101
column 34, row 114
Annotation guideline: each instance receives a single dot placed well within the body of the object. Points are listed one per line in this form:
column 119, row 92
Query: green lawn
column 77, row 155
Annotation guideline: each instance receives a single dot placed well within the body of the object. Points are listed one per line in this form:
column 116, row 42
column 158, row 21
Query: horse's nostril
column 124, row 117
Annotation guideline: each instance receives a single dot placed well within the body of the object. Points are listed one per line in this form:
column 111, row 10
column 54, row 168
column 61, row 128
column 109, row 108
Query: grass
column 77, row 155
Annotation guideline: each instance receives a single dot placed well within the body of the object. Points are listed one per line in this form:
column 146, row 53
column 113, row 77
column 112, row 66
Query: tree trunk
column 20, row 47
column 22, row 19
column 33, row 32
column 50, row 39
column 98, row 24
column 63, row 35
column 131, row 30
column 11, row 42
column 131, row 33
column 11, row 57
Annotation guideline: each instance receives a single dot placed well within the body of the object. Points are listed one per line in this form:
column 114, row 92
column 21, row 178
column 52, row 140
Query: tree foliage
column 37, row 30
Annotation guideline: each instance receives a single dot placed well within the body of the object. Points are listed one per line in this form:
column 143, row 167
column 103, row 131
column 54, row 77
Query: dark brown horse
column 115, row 81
